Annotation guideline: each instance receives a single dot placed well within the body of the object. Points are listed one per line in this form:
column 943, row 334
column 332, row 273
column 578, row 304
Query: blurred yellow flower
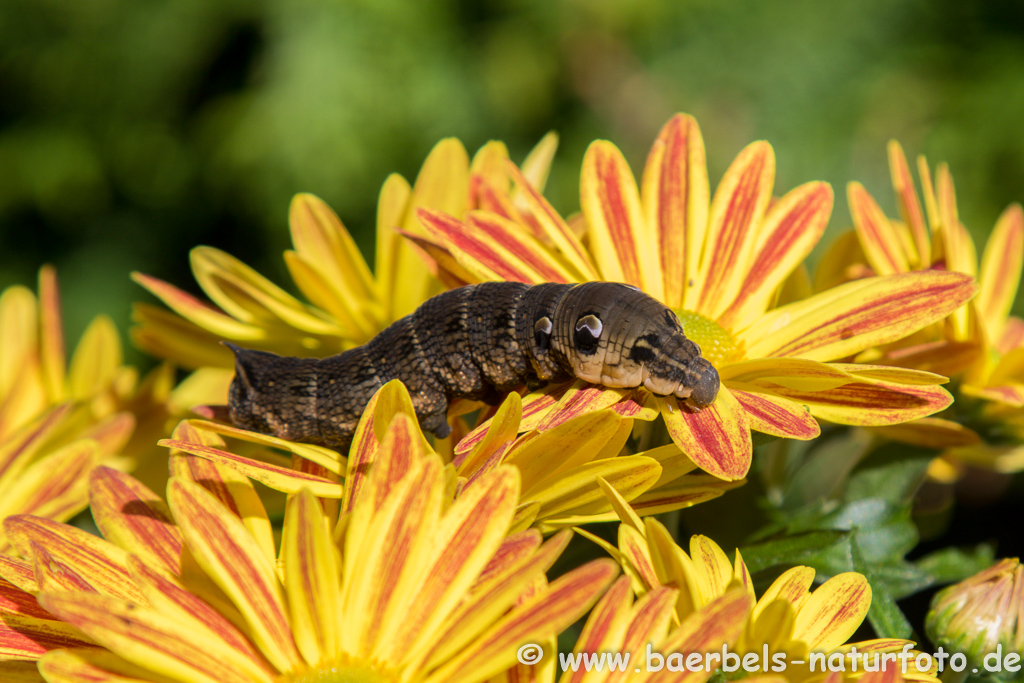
column 59, row 419
column 981, row 343
column 403, row 582
column 348, row 304
column 720, row 262
column 788, row 619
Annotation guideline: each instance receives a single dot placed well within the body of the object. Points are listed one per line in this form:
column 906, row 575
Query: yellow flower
column 348, row 305
column 552, row 495
column 788, row 619
column 648, row 642
column 403, row 582
column 59, row 419
column 981, row 615
column 982, row 341
column 720, row 261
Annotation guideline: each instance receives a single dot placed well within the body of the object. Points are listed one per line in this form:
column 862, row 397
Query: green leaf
column 798, row 549
column 950, row 565
column 884, row 614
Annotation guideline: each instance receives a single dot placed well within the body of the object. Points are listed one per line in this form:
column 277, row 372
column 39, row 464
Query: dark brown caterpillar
column 478, row 342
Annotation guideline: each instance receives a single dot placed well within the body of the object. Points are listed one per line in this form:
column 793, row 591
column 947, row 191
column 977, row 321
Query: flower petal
column 276, row 477
column 877, row 235
column 736, row 213
column 145, row 638
column 580, row 399
column 717, row 438
column 577, row 491
column 833, row 612
column 775, row 415
column 795, row 373
column 874, row 404
column 554, row 609
column 910, row 207
column 554, row 227
column 1001, row 270
column 102, row 562
column 930, row 432
column 234, row 560
column 500, row 433
column 311, row 578
column 51, row 335
column 494, row 248
column 134, row 518
column 619, row 234
column 793, row 226
column 717, row 625
column 852, row 317
column 675, row 201
column 578, row 441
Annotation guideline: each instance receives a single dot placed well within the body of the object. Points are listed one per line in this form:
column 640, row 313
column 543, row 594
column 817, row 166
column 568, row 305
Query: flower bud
column 981, row 613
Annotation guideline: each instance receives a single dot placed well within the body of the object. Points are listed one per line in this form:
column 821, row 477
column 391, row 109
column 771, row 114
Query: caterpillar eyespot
column 478, row 342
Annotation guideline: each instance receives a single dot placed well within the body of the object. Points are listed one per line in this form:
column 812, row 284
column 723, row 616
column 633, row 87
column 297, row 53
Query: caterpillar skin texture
column 478, row 342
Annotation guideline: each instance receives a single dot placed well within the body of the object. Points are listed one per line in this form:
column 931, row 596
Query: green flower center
column 342, row 670
column 715, row 342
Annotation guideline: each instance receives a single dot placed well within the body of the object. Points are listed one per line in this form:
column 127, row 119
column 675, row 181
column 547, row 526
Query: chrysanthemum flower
column 981, row 342
column 348, row 304
column 981, row 615
column 720, row 262
column 552, row 495
column 59, row 419
column 620, row 626
column 408, row 583
column 789, row 618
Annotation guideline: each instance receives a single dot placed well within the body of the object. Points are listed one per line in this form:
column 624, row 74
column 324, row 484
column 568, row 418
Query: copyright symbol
column 531, row 653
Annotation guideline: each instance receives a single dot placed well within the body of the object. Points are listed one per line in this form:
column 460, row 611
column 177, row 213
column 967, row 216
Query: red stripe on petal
column 777, row 416
column 877, row 235
column 910, row 206
column 717, row 438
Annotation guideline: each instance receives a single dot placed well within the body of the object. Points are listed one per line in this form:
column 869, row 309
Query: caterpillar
column 477, row 342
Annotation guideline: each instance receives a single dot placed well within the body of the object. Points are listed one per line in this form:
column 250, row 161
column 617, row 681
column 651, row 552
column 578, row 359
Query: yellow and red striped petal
column 311, row 573
column 717, row 625
column 1011, row 394
column 51, row 335
column 717, row 438
column 102, row 562
column 172, row 337
column 605, row 627
column 737, row 210
column 142, row 636
column 833, row 612
column 234, row 490
column 53, row 486
column 796, row 373
column 910, row 206
column 496, row 438
column 580, row 399
column 792, row 586
column 578, row 441
column 230, row 556
column 494, row 248
column 132, row 517
column 682, row 492
column 675, row 200
column 493, row 594
column 793, row 226
column 329, row 459
column 619, row 235
column 1012, row 337
column 27, row 631
column 872, row 404
column 651, row 616
column 1001, row 270
column 858, row 315
column 470, row 532
column 194, row 310
column 878, row 237
column 553, row 226
column 576, row 491
column 92, row 665
column 637, row 555
column 553, row 610
column 278, row 477
column 775, row 415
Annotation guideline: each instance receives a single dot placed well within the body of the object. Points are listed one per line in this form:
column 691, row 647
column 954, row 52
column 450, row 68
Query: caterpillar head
column 273, row 394
column 618, row 336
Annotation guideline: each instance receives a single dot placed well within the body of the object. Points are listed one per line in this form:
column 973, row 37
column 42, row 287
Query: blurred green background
column 132, row 130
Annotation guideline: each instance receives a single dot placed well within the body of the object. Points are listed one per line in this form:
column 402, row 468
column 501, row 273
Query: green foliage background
column 131, row 130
